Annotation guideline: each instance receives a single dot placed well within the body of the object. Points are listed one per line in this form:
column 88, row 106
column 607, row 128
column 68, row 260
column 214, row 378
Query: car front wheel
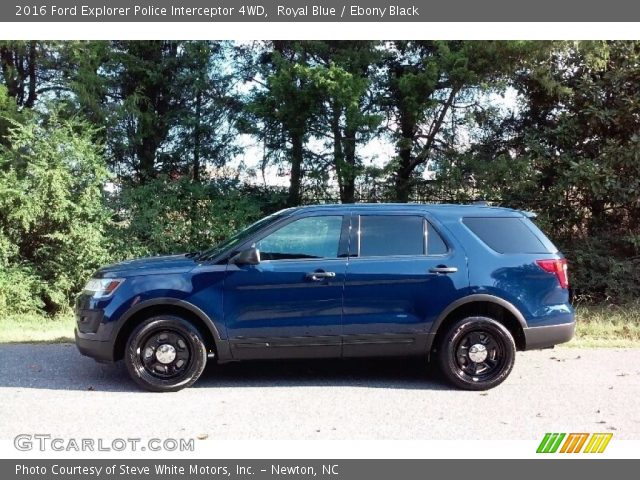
column 476, row 353
column 165, row 354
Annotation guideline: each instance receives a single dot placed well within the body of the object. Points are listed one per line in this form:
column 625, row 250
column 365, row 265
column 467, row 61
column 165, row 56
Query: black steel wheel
column 476, row 353
column 165, row 354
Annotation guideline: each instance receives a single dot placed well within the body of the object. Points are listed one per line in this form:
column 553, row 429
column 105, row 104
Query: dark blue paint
column 275, row 299
column 367, row 296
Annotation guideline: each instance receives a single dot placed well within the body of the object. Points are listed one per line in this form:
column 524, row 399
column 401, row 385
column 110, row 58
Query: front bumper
column 100, row 351
column 94, row 338
column 548, row 336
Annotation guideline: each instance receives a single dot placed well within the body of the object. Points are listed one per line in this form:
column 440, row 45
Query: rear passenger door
column 402, row 272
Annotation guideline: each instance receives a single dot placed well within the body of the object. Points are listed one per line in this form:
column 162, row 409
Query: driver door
column 290, row 304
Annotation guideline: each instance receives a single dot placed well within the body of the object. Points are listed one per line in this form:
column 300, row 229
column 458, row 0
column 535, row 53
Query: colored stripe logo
column 574, row 442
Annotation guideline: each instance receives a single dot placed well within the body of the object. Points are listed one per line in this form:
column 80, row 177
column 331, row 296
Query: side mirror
column 250, row 256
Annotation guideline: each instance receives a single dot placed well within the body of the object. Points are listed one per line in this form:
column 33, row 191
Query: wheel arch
column 482, row 304
column 168, row 306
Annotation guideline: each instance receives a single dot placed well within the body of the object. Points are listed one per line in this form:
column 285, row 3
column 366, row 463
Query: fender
column 222, row 346
column 478, row 297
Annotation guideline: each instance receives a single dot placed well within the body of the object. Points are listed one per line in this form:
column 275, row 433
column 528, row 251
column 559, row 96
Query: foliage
column 281, row 111
column 166, row 106
column 20, row 290
column 52, row 216
column 19, row 62
column 191, row 216
column 573, row 156
column 176, row 118
column 429, row 90
column 348, row 117
column 9, row 112
column 607, row 325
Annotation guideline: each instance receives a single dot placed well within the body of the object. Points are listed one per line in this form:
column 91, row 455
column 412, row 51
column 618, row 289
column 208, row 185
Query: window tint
column 391, row 235
column 435, row 243
column 310, row 237
column 239, row 237
column 505, row 235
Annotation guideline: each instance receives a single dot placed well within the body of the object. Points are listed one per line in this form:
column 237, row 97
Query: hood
column 148, row 266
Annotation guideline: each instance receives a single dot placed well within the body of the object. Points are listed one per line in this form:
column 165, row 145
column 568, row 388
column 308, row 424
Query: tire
column 462, row 348
column 165, row 354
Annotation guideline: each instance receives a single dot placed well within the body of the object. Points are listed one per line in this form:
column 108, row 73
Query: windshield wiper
column 206, row 255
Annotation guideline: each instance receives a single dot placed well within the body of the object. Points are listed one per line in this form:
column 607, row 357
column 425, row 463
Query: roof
column 437, row 210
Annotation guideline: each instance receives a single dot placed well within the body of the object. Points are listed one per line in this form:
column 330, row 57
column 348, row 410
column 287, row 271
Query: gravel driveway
column 53, row 389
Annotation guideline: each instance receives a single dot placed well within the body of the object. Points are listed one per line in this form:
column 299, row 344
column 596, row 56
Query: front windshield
column 240, row 236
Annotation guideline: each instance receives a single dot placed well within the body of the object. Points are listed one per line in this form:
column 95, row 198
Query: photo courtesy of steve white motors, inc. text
column 162, row 469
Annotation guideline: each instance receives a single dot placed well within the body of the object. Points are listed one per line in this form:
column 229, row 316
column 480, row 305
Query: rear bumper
column 548, row 336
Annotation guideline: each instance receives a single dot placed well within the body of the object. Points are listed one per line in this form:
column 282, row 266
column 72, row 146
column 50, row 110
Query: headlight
column 102, row 287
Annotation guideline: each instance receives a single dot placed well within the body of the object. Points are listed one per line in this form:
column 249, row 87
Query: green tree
column 146, row 99
column 9, row 113
column 167, row 106
column 428, row 87
column 53, row 222
column 205, row 131
column 343, row 72
column 192, row 215
column 19, row 62
column 31, row 69
column 572, row 154
column 283, row 107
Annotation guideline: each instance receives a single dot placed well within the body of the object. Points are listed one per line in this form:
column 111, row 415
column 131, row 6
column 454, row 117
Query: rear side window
column 435, row 243
column 391, row 235
column 506, row 235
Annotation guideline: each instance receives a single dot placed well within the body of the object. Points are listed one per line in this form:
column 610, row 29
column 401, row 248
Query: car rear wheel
column 476, row 353
column 165, row 354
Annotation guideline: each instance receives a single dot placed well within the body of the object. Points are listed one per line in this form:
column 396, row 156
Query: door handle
column 443, row 269
column 319, row 276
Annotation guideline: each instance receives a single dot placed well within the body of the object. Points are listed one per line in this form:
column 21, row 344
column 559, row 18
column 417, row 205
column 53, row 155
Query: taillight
column 557, row 266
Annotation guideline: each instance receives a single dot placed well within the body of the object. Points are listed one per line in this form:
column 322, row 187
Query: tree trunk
column 349, row 177
column 297, row 152
column 403, row 176
column 147, row 159
column 196, row 139
column 31, row 98
column 405, row 147
column 408, row 130
column 344, row 156
column 338, row 156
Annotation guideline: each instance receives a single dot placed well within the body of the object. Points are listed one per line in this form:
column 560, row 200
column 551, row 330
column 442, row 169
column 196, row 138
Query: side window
column 309, row 237
column 382, row 235
column 506, row 234
column 435, row 243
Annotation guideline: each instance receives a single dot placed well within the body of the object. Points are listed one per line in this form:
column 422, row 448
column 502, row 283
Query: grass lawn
column 598, row 326
column 607, row 326
column 36, row 329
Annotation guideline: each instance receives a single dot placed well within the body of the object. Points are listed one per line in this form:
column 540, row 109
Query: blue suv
column 464, row 285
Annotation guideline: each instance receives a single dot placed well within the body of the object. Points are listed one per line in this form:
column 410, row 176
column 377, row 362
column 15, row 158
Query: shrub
column 166, row 215
column 20, row 290
column 52, row 215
